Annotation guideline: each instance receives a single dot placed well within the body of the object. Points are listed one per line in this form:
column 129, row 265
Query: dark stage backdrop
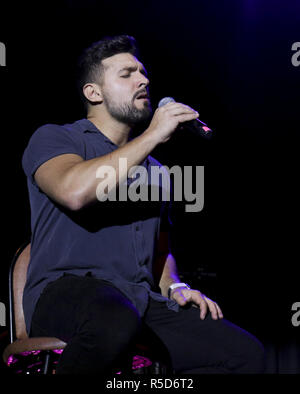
column 233, row 62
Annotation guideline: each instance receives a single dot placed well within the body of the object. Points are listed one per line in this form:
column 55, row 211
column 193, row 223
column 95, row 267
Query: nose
column 143, row 80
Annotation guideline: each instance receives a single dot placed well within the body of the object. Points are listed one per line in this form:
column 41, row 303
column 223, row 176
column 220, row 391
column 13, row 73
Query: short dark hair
column 89, row 65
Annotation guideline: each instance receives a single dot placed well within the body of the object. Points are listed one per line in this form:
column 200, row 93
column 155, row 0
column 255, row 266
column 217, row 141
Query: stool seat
column 21, row 346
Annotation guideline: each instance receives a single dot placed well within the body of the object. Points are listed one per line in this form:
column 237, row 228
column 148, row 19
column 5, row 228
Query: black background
column 230, row 60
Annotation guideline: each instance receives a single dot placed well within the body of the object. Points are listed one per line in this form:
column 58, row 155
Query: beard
column 127, row 113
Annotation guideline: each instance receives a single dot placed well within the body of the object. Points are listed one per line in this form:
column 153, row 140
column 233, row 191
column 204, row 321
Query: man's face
column 125, row 89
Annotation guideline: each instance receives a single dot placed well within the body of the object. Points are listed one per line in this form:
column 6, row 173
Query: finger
column 203, row 309
column 220, row 313
column 187, row 117
column 199, row 299
column 176, row 109
column 176, row 104
column 212, row 308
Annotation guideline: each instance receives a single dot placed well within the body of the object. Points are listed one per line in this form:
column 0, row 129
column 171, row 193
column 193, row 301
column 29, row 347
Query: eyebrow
column 132, row 69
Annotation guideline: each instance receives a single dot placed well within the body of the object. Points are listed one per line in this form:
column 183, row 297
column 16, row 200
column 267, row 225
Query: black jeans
column 100, row 326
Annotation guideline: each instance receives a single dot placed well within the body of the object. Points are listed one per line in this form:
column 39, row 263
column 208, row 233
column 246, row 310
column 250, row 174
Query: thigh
column 71, row 302
column 194, row 343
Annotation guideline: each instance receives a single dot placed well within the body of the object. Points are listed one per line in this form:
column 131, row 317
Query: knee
column 253, row 358
column 117, row 323
column 256, row 360
column 126, row 324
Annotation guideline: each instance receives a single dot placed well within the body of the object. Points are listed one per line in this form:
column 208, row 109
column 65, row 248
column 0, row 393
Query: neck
column 116, row 131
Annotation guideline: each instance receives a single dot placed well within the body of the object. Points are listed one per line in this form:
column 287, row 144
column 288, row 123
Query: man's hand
column 166, row 119
column 184, row 296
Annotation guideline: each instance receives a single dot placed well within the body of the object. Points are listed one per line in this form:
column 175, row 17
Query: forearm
column 83, row 178
column 73, row 182
column 169, row 274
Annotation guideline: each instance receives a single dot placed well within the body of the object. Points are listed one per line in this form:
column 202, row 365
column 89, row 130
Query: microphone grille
column 165, row 101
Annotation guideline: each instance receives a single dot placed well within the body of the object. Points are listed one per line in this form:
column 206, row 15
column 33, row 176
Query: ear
column 93, row 93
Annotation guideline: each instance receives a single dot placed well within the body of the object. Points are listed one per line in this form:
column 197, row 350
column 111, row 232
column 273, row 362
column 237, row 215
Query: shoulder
column 53, row 130
column 50, row 140
column 52, row 136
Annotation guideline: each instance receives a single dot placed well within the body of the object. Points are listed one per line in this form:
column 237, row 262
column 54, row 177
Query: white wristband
column 175, row 285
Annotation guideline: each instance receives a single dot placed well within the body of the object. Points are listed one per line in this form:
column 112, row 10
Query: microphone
column 196, row 126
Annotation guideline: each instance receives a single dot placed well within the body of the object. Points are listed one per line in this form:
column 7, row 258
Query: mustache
column 144, row 92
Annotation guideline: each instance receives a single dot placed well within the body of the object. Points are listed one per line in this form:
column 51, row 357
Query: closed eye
column 130, row 70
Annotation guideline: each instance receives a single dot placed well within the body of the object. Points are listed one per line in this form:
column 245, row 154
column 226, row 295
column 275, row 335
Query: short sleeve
column 48, row 142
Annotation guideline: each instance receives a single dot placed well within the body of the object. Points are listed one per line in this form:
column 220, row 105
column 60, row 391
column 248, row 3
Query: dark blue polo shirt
column 113, row 240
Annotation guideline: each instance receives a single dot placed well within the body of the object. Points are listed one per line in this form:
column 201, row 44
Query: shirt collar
column 88, row 127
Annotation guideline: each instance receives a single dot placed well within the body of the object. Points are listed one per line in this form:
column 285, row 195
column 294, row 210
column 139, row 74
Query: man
column 101, row 270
